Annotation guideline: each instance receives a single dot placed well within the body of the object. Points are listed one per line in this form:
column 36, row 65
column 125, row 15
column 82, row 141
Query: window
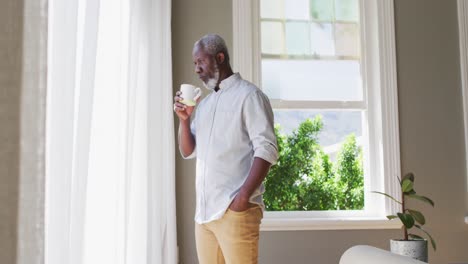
column 332, row 62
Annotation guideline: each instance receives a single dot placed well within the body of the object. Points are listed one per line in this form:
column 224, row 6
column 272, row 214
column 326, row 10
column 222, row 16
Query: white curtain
column 110, row 194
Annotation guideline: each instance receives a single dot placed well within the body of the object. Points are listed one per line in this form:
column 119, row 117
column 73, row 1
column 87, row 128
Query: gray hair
column 213, row 44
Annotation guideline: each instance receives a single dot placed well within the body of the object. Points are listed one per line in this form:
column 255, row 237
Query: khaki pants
column 233, row 239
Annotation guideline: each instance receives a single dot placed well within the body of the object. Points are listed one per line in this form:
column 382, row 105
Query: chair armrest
column 370, row 255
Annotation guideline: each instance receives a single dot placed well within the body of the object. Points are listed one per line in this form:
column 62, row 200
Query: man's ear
column 220, row 58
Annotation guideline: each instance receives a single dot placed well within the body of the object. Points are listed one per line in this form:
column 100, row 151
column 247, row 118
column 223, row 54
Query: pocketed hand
column 240, row 204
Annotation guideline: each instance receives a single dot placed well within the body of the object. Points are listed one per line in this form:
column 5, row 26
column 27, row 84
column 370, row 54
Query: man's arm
column 186, row 139
column 258, row 172
column 258, row 117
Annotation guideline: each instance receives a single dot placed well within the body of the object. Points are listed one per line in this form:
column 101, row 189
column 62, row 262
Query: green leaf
column 432, row 239
column 390, row 217
column 406, row 185
column 422, row 198
column 387, row 196
column 409, row 176
column 417, row 216
column 416, row 236
column 406, row 219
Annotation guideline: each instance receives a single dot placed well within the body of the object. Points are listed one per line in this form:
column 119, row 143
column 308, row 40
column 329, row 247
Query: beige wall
column 431, row 118
column 431, row 132
column 10, row 81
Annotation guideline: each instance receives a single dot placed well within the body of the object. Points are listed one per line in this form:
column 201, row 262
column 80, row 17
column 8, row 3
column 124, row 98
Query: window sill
column 341, row 223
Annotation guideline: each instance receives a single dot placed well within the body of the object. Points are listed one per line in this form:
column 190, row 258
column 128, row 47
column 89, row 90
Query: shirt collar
column 229, row 81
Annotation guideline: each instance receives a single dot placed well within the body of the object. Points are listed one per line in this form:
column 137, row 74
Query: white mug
column 190, row 94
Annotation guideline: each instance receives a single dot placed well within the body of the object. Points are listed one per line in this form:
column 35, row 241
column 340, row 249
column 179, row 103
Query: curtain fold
column 72, row 51
column 59, row 127
column 84, row 85
column 162, row 202
column 110, row 140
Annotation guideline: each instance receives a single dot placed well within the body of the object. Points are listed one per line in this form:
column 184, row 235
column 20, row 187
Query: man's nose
column 197, row 69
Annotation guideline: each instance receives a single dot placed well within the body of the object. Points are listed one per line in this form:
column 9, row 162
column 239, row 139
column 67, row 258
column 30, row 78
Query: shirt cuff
column 191, row 156
column 268, row 153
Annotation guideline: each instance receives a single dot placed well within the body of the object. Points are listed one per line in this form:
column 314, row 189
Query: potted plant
column 411, row 245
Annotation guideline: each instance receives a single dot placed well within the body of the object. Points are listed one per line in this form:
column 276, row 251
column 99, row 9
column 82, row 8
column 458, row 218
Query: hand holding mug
column 185, row 100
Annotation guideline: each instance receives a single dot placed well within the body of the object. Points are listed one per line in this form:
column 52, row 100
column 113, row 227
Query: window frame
column 462, row 8
column 378, row 65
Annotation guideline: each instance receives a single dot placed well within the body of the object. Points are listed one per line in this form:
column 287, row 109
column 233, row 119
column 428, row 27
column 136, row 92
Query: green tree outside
column 305, row 178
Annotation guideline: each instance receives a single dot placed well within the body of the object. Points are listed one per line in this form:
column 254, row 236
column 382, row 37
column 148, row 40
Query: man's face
column 206, row 67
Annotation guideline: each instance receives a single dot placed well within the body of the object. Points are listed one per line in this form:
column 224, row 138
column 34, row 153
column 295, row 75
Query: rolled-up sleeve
column 192, row 130
column 259, row 121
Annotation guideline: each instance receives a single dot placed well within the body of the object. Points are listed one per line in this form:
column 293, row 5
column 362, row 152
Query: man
column 233, row 138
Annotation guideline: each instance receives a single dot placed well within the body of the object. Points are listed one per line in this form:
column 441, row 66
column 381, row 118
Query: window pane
column 321, row 38
column 321, row 162
column 321, row 9
column 271, row 9
column 337, row 125
column 347, row 39
column 347, row 10
column 319, row 80
column 272, row 38
column 297, row 38
column 298, row 9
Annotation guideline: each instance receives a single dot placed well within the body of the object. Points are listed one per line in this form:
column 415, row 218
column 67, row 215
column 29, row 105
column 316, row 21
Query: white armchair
column 371, row 255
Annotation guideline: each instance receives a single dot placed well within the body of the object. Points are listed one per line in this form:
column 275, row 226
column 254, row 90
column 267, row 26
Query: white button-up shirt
column 231, row 127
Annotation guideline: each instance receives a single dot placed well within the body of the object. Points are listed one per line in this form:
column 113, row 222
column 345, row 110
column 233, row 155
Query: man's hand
column 240, row 203
column 183, row 111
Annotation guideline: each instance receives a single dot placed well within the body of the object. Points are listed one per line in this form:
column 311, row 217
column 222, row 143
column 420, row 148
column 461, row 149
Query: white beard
column 212, row 82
